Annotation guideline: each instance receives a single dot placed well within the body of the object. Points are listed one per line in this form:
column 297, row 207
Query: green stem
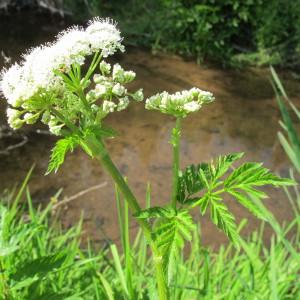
column 96, row 60
column 85, row 102
column 175, row 140
column 69, row 124
column 98, row 151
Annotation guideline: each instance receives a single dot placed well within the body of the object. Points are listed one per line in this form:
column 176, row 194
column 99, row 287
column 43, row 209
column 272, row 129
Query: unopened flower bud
column 105, row 67
column 91, row 96
column 129, row 76
column 30, row 118
column 123, row 103
column 138, row 95
column 99, row 78
column 100, row 90
column 118, row 73
column 118, row 89
column 108, row 106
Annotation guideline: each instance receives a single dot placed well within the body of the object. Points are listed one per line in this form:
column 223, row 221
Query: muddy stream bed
column 244, row 118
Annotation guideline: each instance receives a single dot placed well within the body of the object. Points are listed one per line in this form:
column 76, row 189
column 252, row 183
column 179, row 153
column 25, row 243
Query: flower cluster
column 36, row 76
column 179, row 104
column 109, row 86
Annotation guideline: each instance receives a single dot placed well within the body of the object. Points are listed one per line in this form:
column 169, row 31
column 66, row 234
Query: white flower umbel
column 179, row 104
column 35, row 83
column 104, row 35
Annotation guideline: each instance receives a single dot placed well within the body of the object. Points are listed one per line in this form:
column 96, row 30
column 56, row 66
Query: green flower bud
column 99, row 78
column 123, row 103
column 105, row 67
column 129, row 76
column 118, row 89
column 108, row 106
column 118, row 73
column 46, row 117
column 138, row 95
column 91, row 96
column 30, row 118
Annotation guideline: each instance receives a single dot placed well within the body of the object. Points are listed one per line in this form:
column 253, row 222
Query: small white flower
column 101, row 90
column 191, row 106
column 129, row 76
column 72, row 43
column 123, row 103
column 108, row 106
column 105, row 67
column 99, row 78
column 10, row 81
column 118, row 73
column 138, row 95
column 118, row 89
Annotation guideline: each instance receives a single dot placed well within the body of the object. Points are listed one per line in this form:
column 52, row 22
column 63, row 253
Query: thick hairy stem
column 175, row 141
column 98, row 151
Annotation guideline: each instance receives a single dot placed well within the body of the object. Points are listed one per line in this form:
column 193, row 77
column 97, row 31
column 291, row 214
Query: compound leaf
column 170, row 234
column 224, row 220
column 59, row 152
column 253, row 174
column 197, row 177
column 156, row 212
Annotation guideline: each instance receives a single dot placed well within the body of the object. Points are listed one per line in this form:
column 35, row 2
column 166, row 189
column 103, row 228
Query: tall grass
column 40, row 261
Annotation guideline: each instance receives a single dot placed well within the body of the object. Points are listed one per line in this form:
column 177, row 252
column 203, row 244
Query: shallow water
column 244, row 118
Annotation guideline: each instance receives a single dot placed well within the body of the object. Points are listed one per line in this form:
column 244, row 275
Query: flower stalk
column 175, row 141
column 98, row 151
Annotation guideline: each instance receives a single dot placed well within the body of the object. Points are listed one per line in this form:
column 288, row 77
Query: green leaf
column 197, row 177
column 290, row 151
column 223, row 163
column 248, row 203
column 169, row 235
column 41, row 266
column 59, row 152
column 156, row 212
column 101, row 131
column 253, row 174
column 190, row 181
column 107, row 287
column 224, row 220
column 292, row 146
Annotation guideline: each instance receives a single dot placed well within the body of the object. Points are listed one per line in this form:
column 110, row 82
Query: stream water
column 244, row 118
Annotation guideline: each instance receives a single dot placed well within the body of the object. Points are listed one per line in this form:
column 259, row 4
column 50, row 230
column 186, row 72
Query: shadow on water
column 244, row 117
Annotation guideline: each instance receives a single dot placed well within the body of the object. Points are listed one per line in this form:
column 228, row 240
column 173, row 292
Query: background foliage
column 232, row 32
